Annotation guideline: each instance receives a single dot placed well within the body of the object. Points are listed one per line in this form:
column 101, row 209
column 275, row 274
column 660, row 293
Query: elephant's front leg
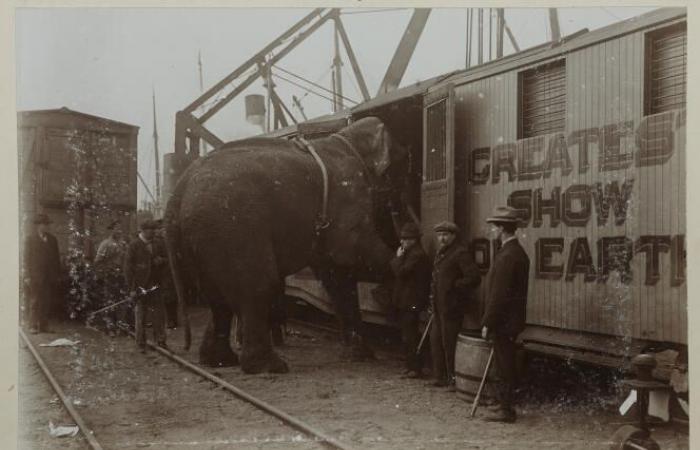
column 215, row 350
column 341, row 285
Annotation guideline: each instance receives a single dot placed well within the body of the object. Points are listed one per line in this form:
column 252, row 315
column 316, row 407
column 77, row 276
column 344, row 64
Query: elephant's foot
column 269, row 363
column 217, row 353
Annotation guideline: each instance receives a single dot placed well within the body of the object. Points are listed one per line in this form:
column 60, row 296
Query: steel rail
column 89, row 435
column 321, row 437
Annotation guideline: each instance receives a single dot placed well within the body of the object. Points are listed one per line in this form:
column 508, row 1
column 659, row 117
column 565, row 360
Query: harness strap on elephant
column 322, row 221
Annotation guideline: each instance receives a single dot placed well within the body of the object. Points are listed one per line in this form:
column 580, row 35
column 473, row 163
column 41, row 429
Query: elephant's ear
column 381, row 155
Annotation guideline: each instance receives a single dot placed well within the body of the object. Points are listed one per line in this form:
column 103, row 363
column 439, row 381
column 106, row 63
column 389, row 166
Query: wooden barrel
column 471, row 356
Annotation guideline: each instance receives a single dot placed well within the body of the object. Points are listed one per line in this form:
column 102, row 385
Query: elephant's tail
column 176, row 249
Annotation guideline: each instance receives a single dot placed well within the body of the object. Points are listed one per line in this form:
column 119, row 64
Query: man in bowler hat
column 505, row 298
column 141, row 268
column 411, row 268
column 454, row 280
column 42, row 271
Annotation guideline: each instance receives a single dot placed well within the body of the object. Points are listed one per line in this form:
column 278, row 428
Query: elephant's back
column 261, row 190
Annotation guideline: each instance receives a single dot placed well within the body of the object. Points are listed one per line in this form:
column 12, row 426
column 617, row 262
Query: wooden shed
column 79, row 169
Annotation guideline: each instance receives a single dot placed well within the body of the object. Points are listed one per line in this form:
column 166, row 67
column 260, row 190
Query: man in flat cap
column 141, row 266
column 411, row 268
column 505, row 298
column 109, row 262
column 454, row 279
column 42, row 273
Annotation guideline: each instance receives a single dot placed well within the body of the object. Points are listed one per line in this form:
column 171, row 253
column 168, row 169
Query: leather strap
column 322, row 221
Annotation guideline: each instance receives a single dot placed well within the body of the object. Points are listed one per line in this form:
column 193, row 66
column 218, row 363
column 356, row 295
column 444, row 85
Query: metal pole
column 297, row 103
column 499, row 32
column 353, row 60
column 268, row 84
column 466, row 52
column 205, row 146
column 156, row 153
column 480, row 54
column 490, row 34
column 337, row 64
column 471, row 35
column 554, row 24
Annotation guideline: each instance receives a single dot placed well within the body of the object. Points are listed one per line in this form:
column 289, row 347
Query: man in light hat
column 411, row 269
column 454, row 280
column 141, row 266
column 109, row 262
column 42, row 272
column 505, row 296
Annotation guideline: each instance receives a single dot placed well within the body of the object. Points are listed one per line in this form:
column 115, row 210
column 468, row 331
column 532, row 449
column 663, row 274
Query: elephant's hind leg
column 215, row 350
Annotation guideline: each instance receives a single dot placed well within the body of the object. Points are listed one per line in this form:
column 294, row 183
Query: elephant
column 244, row 216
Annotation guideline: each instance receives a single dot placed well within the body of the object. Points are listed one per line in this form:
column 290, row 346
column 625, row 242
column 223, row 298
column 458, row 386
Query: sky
column 109, row 61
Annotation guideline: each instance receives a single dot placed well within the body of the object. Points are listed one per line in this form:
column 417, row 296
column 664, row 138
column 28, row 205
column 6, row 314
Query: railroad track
column 295, row 423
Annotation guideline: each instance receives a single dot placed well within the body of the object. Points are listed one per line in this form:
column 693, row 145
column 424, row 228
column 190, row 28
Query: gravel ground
column 134, row 401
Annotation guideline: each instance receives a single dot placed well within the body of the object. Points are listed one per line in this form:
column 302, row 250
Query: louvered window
column 542, row 102
column 436, row 159
column 667, row 59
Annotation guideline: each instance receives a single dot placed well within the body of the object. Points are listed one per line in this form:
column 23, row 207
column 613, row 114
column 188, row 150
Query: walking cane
column 481, row 385
column 114, row 305
column 425, row 334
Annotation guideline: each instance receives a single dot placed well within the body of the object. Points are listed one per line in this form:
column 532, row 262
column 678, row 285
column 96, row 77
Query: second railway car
column 586, row 138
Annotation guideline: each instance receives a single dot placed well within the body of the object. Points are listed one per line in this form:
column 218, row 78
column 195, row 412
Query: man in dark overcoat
column 505, row 291
column 42, row 273
column 411, row 268
column 164, row 276
column 454, row 280
column 141, row 268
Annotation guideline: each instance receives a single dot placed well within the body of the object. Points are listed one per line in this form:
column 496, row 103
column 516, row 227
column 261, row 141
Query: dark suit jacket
column 42, row 263
column 454, row 278
column 138, row 265
column 412, row 279
column 505, row 290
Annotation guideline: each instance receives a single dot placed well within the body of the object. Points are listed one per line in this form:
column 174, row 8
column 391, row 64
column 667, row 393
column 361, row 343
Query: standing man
column 164, row 277
column 454, row 279
column 109, row 262
column 505, row 294
column 411, row 269
column 42, row 270
column 141, row 267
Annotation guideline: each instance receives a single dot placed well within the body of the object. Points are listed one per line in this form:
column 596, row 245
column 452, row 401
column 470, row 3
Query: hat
column 504, row 214
column 113, row 225
column 446, row 226
column 42, row 219
column 148, row 225
column 410, row 231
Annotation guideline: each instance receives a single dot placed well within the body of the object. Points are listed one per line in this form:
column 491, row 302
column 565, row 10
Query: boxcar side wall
column 602, row 199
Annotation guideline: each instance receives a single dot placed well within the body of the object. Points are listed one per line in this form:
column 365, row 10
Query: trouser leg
column 436, row 348
column 158, row 318
column 451, row 327
column 409, row 336
column 504, row 350
column 140, row 322
column 34, row 311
